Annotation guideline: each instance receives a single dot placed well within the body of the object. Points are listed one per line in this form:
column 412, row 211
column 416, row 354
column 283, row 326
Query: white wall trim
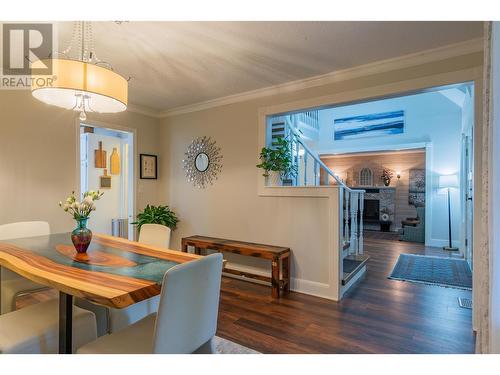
column 313, row 288
column 381, row 66
column 143, row 110
column 436, row 242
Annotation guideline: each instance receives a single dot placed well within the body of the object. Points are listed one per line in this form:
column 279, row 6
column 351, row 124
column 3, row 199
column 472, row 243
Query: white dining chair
column 186, row 321
column 35, row 329
column 111, row 320
column 11, row 284
column 155, row 235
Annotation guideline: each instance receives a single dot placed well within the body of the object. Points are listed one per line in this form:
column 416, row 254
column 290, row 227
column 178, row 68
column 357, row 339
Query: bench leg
column 275, row 278
column 184, row 247
column 286, row 274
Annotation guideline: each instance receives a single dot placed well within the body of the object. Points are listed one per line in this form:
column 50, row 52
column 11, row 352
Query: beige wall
column 38, row 157
column 233, row 207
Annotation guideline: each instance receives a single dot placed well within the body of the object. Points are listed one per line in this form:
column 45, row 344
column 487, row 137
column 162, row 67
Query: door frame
column 111, row 126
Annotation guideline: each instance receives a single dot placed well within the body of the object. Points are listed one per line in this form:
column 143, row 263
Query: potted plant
column 387, row 176
column 276, row 161
column 162, row 215
column 80, row 211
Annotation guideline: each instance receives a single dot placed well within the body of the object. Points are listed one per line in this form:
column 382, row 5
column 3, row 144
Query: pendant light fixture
column 83, row 82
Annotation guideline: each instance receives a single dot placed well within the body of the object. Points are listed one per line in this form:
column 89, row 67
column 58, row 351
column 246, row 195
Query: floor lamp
column 449, row 182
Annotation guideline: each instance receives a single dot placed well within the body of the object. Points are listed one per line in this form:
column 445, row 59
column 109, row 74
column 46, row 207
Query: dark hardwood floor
column 378, row 316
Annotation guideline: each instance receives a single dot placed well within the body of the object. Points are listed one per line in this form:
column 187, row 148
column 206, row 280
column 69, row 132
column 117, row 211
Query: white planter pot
column 274, row 179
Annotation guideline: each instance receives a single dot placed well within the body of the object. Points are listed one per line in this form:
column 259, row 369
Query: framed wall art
column 377, row 124
column 148, row 167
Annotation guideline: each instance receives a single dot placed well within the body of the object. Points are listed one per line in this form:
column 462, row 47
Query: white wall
column 429, row 118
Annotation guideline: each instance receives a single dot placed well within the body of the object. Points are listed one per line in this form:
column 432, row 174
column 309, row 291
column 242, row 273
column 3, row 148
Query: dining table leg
column 65, row 323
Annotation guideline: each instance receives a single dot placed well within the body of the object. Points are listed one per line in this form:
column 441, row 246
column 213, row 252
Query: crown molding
column 143, row 110
column 381, row 66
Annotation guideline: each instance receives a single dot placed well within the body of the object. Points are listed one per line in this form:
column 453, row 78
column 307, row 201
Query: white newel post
column 360, row 237
column 305, row 168
column 297, row 160
column 354, row 222
column 316, row 173
column 346, row 215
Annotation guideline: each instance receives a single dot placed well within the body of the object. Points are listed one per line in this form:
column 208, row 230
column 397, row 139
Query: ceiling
column 172, row 64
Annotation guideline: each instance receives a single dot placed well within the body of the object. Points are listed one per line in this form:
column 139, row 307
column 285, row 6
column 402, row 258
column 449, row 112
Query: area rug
column 447, row 272
column 223, row 346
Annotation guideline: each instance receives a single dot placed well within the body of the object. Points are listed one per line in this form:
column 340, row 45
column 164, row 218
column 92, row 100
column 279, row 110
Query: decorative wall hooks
column 203, row 162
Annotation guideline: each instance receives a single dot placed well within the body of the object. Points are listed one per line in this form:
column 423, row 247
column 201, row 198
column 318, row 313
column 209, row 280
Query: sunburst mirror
column 203, row 162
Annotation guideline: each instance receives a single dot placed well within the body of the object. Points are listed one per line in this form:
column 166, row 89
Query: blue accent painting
column 379, row 124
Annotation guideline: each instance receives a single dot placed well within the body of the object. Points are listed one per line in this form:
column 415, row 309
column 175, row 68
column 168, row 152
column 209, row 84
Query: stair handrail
column 321, row 163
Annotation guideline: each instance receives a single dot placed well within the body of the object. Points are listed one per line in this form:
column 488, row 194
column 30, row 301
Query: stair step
column 353, row 264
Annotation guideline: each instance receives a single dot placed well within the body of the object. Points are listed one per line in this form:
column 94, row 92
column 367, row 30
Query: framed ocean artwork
column 374, row 125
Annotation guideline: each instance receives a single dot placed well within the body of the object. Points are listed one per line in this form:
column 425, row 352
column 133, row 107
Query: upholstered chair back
column 189, row 305
column 24, row 229
column 155, row 235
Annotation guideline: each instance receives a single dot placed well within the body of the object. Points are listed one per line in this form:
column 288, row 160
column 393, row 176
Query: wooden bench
column 279, row 257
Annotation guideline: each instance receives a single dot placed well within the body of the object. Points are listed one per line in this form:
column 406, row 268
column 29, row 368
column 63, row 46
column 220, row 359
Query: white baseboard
column 434, row 242
column 312, row 288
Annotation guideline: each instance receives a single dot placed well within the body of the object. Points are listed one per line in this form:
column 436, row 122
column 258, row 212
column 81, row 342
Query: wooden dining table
column 114, row 272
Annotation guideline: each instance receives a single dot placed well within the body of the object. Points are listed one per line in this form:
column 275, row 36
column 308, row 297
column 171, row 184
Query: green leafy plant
column 162, row 215
column 278, row 158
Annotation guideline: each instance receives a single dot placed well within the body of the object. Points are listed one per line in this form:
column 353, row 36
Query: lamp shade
column 106, row 89
column 448, row 181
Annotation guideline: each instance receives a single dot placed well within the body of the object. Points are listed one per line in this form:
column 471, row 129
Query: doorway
column 107, row 164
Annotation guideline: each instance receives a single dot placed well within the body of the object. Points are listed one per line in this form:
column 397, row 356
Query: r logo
column 23, row 44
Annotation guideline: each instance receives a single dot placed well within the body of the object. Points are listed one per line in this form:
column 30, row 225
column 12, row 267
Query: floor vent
column 465, row 303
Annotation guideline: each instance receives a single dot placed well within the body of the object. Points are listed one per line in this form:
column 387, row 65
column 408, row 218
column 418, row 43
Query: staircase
column 352, row 261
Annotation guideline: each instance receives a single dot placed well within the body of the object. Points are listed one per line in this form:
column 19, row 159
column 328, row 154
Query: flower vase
column 387, row 181
column 81, row 236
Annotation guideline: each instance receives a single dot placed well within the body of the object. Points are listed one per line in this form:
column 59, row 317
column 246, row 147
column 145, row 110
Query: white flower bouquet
column 81, row 210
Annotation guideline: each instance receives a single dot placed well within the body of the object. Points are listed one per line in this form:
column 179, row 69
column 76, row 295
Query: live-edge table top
column 115, row 272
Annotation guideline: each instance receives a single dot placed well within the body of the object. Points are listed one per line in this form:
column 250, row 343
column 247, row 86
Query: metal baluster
column 354, row 221
column 360, row 237
column 346, row 214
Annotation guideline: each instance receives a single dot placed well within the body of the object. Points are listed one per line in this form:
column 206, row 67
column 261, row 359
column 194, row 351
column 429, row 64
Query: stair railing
column 352, row 200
